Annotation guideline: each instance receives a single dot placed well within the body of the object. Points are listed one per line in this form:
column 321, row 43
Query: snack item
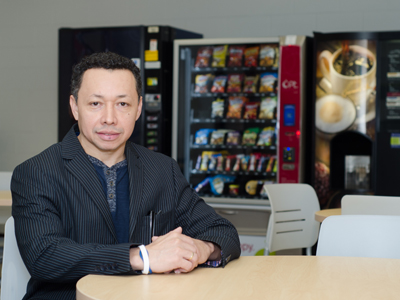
column 217, row 108
column 235, row 107
column 250, row 84
column 236, row 167
column 213, row 162
column 198, row 162
column 218, row 136
column 263, row 192
column 267, row 108
column 201, row 137
column 203, row 57
column 202, row 82
column 251, row 56
column 234, row 189
column 266, row 136
column 261, row 162
column 233, row 138
column 218, row 183
column 268, row 82
column 234, row 83
column 253, row 160
column 205, row 159
column 202, row 184
column 270, row 164
column 267, row 55
column 244, row 162
column 228, row 162
column 219, row 56
column 250, row 110
column 251, row 186
column 235, row 56
column 220, row 163
column 250, row 136
column 219, row 84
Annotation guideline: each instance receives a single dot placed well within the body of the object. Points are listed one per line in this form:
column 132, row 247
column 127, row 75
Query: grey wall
column 28, row 45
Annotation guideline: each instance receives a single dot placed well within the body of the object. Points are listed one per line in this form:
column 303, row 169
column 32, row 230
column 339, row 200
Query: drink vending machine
column 239, row 123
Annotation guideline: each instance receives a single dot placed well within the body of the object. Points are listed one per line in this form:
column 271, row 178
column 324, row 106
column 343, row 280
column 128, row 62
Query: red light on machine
column 298, row 133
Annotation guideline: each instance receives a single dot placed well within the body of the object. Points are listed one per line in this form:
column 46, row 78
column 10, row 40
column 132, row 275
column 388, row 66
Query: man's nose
column 109, row 116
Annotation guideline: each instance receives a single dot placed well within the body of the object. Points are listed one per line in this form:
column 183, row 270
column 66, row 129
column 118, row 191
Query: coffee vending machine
column 357, row 115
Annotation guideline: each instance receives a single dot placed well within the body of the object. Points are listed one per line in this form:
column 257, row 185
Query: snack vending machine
column 239, row 124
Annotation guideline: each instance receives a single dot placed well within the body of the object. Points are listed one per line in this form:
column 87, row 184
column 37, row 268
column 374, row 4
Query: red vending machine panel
column 289, row 133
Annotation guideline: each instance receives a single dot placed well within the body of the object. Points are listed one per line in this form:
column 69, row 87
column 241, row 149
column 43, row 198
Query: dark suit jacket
column 63, row 223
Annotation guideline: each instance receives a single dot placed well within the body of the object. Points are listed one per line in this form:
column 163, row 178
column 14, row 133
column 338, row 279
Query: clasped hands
column 176, row 252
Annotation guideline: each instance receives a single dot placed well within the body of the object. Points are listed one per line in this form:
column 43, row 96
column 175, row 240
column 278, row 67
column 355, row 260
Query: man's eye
column 95, row 103
column 124, row 104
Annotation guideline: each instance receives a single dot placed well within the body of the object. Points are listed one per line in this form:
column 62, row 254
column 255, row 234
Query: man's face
column 107, row 109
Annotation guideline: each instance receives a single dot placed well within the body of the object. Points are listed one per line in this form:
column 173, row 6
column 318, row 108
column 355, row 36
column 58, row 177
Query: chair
column 360, row 236
column 5, row 180
column 370, row 205
column 14, row 275
column 292, row 223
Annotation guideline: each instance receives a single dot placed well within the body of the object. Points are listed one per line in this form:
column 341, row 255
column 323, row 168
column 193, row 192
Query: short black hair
column 103, row 60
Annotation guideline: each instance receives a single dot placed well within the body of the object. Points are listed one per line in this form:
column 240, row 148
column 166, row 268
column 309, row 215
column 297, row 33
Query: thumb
column 154, row 238
column 178, row 230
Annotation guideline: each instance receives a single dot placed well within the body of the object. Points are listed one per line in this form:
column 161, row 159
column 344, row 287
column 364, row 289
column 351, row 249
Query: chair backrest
column 360, row 236
column 292, row 222
column 14, row 275
column 370, row 205
column 5, row 180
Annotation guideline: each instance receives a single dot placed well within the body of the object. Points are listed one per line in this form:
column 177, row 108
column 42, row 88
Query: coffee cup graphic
column 358, row 80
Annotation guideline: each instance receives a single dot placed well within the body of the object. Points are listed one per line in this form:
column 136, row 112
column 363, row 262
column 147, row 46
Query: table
column 323, row 214
column 258, row 277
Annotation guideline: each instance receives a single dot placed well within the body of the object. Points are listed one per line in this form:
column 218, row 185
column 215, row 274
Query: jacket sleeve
column 47, row 252
column 200, row 221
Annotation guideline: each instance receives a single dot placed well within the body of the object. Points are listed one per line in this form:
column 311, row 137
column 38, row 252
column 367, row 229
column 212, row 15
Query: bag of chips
column 250, row 136
column 250, row 110
column 203, row 57
column 218, row 136
column 217, row 108
column 202, row 83
column 235, row 107
column 266, row 136
column 233, row 138
column 250, row 84
column 235, row 56
column 267, row 55
column 219, row 84
column 219, row 56
column 251, row 56
column 234, row 83
column 201, row 137
column 267, row 108
column 268, row 82
column 218, row 183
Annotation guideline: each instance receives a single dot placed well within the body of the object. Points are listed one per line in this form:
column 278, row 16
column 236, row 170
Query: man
column 89, row 204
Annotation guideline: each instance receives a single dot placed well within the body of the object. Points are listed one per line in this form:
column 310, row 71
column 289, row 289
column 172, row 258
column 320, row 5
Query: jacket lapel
column 135, row 169
column 80, row 167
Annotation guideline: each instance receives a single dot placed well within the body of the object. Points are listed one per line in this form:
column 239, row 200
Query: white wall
column 29, row 41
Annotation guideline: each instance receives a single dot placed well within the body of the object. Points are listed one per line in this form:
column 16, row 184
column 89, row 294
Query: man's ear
column 139, row 110
column 74, row 107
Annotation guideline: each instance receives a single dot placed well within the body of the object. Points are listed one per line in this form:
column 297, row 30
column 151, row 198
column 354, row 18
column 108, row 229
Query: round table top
column 258, row 277
column 323, row 214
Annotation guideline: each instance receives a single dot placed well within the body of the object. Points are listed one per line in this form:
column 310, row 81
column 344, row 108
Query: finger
column 154, row 238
